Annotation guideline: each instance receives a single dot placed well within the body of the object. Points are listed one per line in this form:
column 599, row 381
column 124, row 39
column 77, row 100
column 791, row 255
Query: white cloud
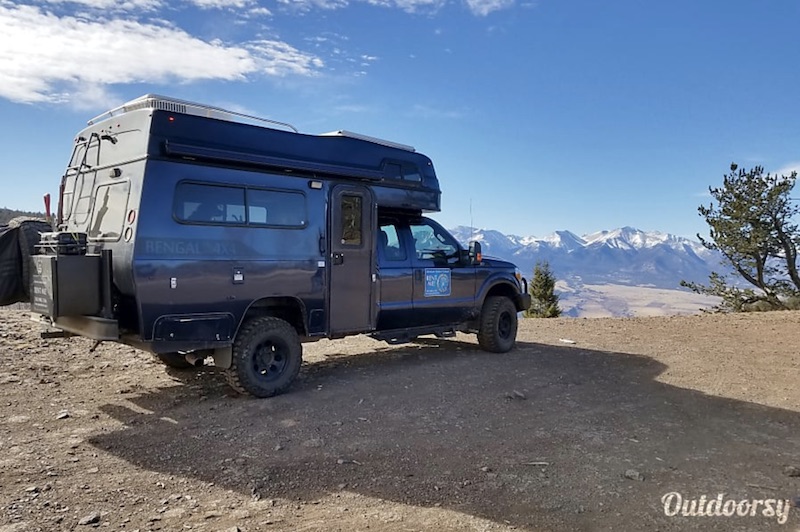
column 424, row 111
column 478, row 7
column 221, row 4
column 484, row 7
column 113, row 5
column 259, row 12
column 278, row 59
column 789, row 168
column 46, row 58
column 306, row 5
column 411, row 6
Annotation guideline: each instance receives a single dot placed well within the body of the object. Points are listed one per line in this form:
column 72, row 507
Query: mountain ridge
column 626, row 255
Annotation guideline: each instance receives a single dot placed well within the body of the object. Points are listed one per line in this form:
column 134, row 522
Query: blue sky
column 544, row 114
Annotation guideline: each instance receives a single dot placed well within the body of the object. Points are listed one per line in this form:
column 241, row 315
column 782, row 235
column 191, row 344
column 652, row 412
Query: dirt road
column 437, row 435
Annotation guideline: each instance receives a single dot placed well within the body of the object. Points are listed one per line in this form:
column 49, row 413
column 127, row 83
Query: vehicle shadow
column 542, row 437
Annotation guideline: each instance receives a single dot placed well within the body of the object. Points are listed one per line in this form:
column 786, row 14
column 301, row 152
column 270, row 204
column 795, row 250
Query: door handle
column 337, row 258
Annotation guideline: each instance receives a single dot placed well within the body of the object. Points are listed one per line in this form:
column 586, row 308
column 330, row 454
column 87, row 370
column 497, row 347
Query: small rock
column 632, row 474
column 90, row 519
column 278, row 447
column 62, row 415
column 32, row 489
column 516, row 394
column 486, row 469
column 791, row 471
column 211, row 515
column 233, row 529
column 175, row 513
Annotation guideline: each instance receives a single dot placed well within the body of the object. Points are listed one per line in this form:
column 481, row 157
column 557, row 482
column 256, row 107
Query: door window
column 390, row 245
column 431, row 243
column 352, row 228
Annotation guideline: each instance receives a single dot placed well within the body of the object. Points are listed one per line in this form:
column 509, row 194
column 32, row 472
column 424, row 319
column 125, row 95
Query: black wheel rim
column 505, row 325
column 270, row 360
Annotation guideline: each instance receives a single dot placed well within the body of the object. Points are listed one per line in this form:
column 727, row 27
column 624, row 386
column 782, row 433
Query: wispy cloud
column 424, row 111
column 112, row 5
column 477, row 7
column 45, row 58
column 484, row 7
column 787, row 169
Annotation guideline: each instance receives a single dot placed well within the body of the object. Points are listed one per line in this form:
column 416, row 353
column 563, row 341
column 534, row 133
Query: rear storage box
column 66, row 281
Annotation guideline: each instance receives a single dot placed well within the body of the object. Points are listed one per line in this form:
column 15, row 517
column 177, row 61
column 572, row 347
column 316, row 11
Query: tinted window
column 209, row 203
column 272, row 207
column 351, row 220
column 390, row 244
column 408, row 172
column 108, row 213
column 430, row 243
column 411, row 173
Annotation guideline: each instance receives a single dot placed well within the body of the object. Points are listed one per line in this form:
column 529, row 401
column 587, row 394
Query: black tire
column 174, row 360
column 266, row 357
column 498, row 329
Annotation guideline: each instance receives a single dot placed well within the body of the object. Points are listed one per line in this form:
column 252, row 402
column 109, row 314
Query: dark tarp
column 17, row 241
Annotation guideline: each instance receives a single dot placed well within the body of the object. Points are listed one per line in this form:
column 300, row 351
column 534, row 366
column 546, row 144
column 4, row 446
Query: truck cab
column 194, row 232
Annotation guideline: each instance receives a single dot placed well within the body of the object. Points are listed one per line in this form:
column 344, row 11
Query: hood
column 495, row 262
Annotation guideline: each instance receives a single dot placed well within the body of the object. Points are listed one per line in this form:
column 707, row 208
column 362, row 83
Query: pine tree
column 751, row 223
column 544, row 300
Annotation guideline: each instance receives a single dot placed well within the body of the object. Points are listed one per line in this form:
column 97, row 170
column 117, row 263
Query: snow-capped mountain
column 626, row 256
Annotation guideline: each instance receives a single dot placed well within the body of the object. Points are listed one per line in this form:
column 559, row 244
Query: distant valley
column 623, row 272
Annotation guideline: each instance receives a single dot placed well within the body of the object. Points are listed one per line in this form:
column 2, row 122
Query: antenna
column 471, row 225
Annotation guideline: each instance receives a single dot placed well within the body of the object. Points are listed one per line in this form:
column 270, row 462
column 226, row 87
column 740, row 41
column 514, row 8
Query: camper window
column 209, row 204
column 108, row 212
column 273, row 207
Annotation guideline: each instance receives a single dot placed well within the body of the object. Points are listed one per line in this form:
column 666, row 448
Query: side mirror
column 475, row 256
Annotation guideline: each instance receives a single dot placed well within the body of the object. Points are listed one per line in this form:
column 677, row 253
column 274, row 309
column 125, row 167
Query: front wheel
column 266, row 357
column 498, row 329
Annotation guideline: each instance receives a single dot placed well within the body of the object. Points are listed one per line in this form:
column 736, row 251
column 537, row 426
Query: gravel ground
column 587, row 425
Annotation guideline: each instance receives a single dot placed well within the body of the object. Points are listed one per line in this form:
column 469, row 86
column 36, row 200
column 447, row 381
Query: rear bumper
column 89, row 326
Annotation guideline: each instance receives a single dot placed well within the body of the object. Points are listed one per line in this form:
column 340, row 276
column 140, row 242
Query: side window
column 351, row 220
column 273, row 207
column 411, row 173
column 406, row 172
column 390, row 244
column 431, row 243
column 209, row 203
column 108, row 212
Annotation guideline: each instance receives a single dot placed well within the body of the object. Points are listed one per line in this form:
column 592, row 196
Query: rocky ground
column 587, row 425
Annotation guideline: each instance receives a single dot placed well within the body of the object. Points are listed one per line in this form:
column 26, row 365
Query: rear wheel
column 498, row 330
column 266, row 357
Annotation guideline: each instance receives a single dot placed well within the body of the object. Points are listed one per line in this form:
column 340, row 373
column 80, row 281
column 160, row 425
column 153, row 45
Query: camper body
column 190, row 231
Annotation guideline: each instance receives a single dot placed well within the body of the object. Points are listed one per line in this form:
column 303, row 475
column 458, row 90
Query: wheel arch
column 289, row 309
column 504, row 287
